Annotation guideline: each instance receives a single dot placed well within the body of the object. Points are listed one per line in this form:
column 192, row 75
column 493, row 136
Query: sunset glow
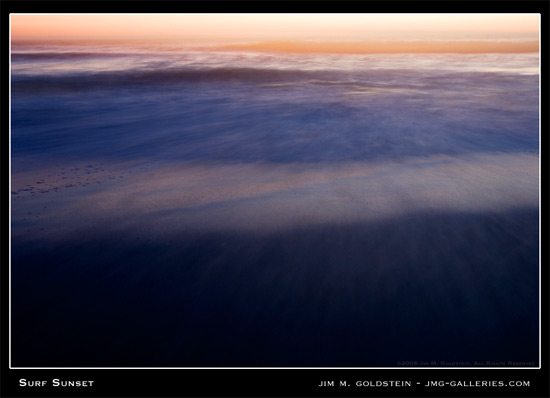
column 275, row 26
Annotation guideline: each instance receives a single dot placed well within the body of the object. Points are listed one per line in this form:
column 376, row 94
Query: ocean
column 184, row 205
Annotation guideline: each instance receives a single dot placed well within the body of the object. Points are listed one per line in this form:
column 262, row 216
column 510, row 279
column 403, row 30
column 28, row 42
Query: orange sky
column 274, row 26
column 386, row 47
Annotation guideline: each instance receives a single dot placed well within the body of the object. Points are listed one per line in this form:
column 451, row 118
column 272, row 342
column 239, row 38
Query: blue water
column 175, row 206
column 254, row 107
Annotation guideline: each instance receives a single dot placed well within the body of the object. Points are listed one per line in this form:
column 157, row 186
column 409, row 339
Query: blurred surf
column 252, row 208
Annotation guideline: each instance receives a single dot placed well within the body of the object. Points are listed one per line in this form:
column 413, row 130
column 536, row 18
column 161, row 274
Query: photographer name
column 56, row 383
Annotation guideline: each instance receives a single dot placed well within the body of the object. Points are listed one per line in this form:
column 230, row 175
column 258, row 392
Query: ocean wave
column 41, row 83
column 102, row 80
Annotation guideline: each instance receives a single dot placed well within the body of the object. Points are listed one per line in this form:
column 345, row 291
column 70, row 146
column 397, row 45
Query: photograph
column 336, row 201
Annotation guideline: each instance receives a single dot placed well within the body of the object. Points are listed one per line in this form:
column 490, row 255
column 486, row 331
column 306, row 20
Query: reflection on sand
column 169, row 198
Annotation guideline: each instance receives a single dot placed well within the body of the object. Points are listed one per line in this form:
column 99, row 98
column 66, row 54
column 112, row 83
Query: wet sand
column 164, row 199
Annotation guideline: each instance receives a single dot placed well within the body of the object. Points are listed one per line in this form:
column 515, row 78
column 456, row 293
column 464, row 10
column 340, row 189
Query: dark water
column 437, row 287
column 193, row 208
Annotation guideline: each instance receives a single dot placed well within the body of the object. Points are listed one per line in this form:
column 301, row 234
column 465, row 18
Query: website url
column 479, row 383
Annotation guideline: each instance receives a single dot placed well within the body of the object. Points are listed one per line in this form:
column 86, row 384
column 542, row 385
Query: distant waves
column 384, row 79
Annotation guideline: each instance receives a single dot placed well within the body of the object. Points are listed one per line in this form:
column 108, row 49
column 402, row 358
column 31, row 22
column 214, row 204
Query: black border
column 270, row 382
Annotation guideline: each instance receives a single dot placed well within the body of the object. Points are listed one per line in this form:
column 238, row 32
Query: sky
column 258, row 27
